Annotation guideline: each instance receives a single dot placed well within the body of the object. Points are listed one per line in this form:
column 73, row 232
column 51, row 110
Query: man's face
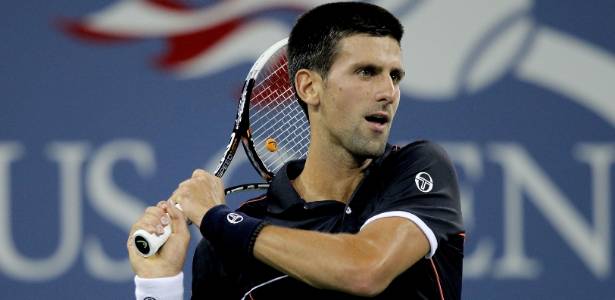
column 361, row 94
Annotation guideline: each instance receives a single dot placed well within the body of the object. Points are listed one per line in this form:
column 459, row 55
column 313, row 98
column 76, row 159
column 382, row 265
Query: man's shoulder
column 420, row 150
column 403, row 164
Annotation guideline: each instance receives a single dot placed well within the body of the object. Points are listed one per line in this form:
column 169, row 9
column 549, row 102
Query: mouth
column 378, row 121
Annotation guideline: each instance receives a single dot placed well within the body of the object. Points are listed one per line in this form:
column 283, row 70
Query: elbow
column 369, row 287
column 367, row 280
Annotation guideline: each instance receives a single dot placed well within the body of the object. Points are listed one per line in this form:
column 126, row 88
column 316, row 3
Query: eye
column 366, row 71
column 397, row 76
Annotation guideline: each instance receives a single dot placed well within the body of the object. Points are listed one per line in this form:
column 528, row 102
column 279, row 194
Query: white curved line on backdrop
column 583, row 72
column 245, row 44
column 442, row 35
column 144, row 19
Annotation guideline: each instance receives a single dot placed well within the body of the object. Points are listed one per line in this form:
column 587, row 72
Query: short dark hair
column 314, row 39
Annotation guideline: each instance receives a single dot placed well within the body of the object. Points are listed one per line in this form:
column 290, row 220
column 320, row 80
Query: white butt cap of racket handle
column 147, row 244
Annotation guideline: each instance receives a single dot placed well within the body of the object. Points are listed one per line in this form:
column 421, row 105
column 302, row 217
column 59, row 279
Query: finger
column 178, row 219
column 178, row 222
column 176, row 246
column 179, row 193
column 177, row 205
column 151, row 221
column 133, row 253
column 153, row 226
column 218, row 181
column 154, row 215
column 184, row 183
column 154, row 211
column 164, row 219
column 199, row 173
column 130, row 245
column 178, row 198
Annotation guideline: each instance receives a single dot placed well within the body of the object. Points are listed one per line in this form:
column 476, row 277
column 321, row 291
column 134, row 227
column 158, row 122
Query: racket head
column 240, row 127
column 278, row 130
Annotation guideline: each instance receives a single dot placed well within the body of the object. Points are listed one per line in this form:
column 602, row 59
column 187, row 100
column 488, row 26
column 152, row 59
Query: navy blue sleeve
column 421, row 185
column 210, row 279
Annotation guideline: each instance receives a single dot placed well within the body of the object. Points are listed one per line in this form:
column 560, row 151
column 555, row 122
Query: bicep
column 399, row 241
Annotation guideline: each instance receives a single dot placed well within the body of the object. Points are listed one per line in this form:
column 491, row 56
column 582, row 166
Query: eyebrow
column 399, row 71
column 356, row 66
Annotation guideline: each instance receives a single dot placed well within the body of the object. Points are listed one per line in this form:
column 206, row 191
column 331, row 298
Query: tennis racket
column 270, row 124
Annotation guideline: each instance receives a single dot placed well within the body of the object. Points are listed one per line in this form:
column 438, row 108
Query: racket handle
column 148, row 243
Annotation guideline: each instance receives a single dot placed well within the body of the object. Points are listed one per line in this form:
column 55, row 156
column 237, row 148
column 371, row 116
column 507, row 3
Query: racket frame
column 241, row 129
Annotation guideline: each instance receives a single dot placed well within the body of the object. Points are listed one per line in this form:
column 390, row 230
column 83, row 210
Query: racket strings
column 290, row 124
column 287, row 152
column 292, row 148
column 293, row 129
column 275, row 114
column 291, row 135
column 271, row 91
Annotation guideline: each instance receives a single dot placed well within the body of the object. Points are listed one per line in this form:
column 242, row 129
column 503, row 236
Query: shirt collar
column 281, row 191
column 284, row 196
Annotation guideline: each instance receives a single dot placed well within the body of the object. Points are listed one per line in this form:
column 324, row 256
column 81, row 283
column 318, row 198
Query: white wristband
column 164, row 288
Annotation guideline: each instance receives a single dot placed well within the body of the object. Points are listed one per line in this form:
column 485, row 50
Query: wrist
column 159, row 288
column 152, row 273
column 198, row 220
column 230, row 232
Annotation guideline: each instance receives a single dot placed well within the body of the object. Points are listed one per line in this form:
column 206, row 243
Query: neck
column 329, row 175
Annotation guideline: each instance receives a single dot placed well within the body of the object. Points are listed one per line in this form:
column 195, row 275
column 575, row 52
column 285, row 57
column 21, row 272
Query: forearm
column 321, row 260
column 345, row 262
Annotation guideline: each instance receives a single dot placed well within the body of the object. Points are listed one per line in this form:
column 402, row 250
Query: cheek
column 343, row 99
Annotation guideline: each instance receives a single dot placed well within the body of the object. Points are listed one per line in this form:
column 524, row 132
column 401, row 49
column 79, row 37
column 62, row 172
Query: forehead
column 362, row 48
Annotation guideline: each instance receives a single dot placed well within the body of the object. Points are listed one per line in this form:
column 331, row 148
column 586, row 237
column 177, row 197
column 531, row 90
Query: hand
column 199, row 194
column 169, row 260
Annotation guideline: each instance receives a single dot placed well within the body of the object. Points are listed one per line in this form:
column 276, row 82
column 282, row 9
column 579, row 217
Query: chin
column 380, row 149
column 371, row 149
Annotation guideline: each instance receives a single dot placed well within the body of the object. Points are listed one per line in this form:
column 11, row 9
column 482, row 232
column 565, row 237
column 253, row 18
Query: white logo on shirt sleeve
column 423, row 182
column 234, row 218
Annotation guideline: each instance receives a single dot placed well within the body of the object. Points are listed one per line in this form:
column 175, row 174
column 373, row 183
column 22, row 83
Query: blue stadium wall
column 106, row 106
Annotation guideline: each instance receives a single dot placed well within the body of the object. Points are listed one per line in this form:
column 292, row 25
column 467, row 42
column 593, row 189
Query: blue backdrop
column 107, row 105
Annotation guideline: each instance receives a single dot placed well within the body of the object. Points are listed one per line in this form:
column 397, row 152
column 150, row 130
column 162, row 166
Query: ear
column 309, row 85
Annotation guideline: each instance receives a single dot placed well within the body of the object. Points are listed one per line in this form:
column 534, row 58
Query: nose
column 388, row 89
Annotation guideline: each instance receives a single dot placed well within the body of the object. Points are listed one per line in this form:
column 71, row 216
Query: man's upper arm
column 422, row 190
column 401, row 243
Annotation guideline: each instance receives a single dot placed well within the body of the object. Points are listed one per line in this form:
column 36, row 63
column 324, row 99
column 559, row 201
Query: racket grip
column 148, row 243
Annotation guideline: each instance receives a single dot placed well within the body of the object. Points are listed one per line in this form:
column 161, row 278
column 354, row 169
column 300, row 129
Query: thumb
column 178, row 219
column 177, row 244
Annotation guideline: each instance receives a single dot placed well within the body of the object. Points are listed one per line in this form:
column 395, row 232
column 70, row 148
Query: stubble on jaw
column 362, row 147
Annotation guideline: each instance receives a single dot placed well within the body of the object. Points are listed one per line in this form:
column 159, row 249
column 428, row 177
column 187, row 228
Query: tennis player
column 357, row 218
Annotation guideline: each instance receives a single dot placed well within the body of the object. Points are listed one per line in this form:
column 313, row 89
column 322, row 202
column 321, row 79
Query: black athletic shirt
column 416, row 182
